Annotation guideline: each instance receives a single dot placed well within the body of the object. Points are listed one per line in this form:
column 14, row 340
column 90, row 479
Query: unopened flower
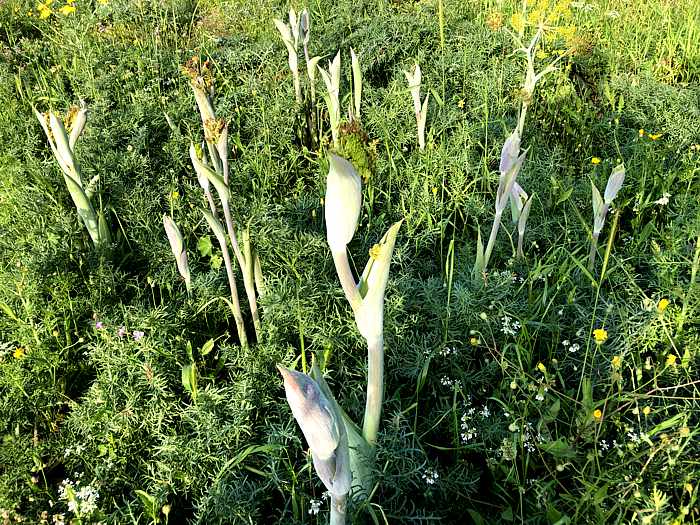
column 343, row 202
column 616, row 361
column 322, row 427
column 177, row 245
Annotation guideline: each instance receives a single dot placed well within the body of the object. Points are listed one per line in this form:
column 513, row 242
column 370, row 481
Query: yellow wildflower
column 663, row 304
column 541, row 367
column 600, row 335
column 44, row 10
column 374, row 252
column 616, row 361
column 671, row 360
column 19, row 353
column 434, row 190
column 175, row 195
column 103, row 2
column 646, row 410
column 460, row 104
column 474, row 341
column 688, row 488
column 518, row 22
column 684, row 432
column 654, row 136
column 597, row 414
column 641, row 132
column 595, row 160
column 67, row 9
column 494, row 21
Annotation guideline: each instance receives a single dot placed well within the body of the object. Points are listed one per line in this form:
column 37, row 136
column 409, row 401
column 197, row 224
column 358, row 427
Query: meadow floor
column 532, row 388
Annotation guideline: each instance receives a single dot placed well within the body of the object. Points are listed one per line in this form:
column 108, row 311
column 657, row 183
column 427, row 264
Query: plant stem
column 375, row 390
column 237, row 315
column 248, row 281
column 212, row 206
column 691, row 285
column 338, row 508
column 441, row 21
column 520, row 252
column 521, row 119
column 347, row 281
column 492, row 239
column 594, row 249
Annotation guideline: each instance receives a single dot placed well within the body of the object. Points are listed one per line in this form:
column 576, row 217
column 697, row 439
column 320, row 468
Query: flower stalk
column 332, row 96
column 601, row 205
column 511, row 162
column 216, row 172
column 218, row 230
column 63, row 148
column 420, row 110
column 321, row 421
column 290, row 37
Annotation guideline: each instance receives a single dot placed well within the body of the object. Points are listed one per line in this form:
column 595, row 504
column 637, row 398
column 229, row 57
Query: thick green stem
column 248, row 280
column 492, row 239
column 375, row 390
column 594, row 250
column 347, row 281
column 237, row 315
column 338, row 509
column 521, row 118
column 212, row 206
column 520, row 252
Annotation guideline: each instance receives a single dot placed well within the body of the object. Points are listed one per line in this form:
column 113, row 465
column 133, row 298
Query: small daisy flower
column 663, row 304
column 600, row 335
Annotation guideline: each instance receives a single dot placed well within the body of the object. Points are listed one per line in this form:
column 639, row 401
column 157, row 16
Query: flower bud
column 343, row 202
column 78, row 126
column 509, row 153
column 177, row 245
column 322, row 427
column 313, row 412
column 617, row 177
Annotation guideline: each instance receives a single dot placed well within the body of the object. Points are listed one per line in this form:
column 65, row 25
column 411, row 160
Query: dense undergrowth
column 501, row 406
